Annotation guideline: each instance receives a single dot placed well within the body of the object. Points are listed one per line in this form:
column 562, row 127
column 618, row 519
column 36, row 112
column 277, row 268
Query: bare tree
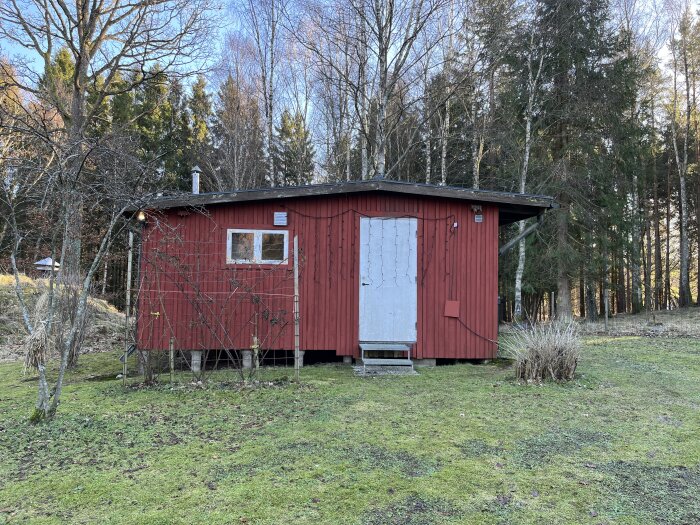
column 238, row 128
column 262, row 24
column 385, row 55
column 679, row 54
column 448, row 64
column 534, row 61
column 334, row 98
column 107, row 43
column 640, row 22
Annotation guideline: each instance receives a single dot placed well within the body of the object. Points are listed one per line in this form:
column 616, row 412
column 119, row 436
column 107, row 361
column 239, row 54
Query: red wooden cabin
column 379, row 262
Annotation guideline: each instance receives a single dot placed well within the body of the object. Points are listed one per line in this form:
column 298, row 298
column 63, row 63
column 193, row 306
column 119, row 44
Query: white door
column 388, row 279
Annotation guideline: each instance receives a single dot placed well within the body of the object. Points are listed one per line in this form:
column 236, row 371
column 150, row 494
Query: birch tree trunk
column 443, row 139
column 533, row 80
column 658, row 268
column 446, row 121
column 428, row 158
column 681, row 157
column 636, row 288
column 648, row 292
column 475, row 144
column 364, row 120
column 668, row 302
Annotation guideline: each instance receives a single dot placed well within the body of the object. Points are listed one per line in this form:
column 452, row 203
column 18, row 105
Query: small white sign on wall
column 280, row 218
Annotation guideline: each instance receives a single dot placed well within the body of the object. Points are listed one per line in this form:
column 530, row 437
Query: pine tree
column 579, row 48
column 238, row 157
column 178, row 142
column 200, row 115
column 293, row 152
column 122, row 109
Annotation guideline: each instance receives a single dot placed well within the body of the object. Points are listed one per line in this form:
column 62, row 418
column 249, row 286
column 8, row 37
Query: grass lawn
column 456, row 444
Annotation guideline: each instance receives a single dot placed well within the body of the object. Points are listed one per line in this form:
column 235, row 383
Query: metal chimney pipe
column 195, row 180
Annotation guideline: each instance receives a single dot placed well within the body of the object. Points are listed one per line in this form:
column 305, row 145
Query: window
column 256, row 247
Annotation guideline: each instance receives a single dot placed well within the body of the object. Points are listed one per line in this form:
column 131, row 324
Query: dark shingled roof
column 513, row 206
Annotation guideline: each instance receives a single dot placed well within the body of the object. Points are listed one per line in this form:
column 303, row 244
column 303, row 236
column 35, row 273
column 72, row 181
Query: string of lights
column 189, row 296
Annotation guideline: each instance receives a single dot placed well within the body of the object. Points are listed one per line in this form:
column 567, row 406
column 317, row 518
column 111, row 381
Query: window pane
column 273, row 247
column 242, row 246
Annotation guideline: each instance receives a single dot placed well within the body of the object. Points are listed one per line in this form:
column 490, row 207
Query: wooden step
column 386, row 362
column 384, row 347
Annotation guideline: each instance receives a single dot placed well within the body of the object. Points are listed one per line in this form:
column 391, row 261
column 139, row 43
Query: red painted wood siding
column 189, row 293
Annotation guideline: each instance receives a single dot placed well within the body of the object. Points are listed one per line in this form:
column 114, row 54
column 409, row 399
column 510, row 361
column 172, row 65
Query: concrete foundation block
column 196, row 361
column 301, row 358
column 247, row 359
column 425, row 362
column 347, row 359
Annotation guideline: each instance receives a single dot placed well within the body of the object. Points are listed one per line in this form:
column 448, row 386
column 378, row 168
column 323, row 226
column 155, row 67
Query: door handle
column 365, row 284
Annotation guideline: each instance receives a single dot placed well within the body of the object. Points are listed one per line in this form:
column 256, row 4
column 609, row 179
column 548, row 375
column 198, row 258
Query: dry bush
column 38, row 344
column 103, row 329
column 545, row 351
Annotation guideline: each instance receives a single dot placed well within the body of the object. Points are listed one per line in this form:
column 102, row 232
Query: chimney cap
column 196, row 169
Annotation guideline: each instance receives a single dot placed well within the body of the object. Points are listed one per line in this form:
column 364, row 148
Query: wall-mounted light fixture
column 141, row 216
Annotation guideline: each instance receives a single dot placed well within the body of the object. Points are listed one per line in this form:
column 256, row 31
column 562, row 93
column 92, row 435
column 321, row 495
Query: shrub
column 545, row 351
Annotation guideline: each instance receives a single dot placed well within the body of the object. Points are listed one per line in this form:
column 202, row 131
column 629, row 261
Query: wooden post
column 172, row 361
column 296, row 308
column 130, row 256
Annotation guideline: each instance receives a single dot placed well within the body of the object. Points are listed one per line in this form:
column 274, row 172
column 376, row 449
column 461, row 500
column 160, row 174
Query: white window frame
column 257, row 246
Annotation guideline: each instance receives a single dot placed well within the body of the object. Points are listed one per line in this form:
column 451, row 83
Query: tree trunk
column 697, row 198
column 621, row 288
column 668, row 299
column 380, row 138
column 475, row 145
column 520, row 270
column 348, row 152
column 658, row 266
column 635, row 257
column 563, row 286
column 104, row 276
column 648, row 293
column 658, row 275
column 428, row 159
column 581, row 295
column 270, row 148
column 364, row 120
column 533, row 79
column 591, row 312
column 380, row 135
column 628, row 277
column 684, row 296
column 443, row 139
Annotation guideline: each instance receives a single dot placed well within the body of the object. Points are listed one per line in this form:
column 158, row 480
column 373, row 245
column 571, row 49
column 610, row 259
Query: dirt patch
column 682, row 322
column 378, row 457
column 541, row 449
column 367, row 457
column 668, row 495
column 411, row 511
column 476, row 448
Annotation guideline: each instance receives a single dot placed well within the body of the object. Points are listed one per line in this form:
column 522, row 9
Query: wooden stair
column 376, row 362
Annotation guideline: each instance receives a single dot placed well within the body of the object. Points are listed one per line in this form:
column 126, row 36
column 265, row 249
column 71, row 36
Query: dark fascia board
column 512, row 205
